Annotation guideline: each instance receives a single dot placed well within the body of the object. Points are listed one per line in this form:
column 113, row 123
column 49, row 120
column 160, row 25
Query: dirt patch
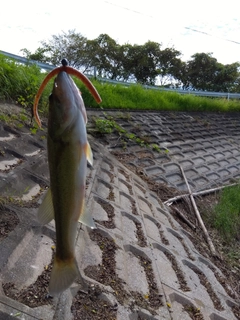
column 204, row 281
column 8, row 222
column 126, row 157
column 161, row 233
column 125, row 175
column 111, row 195
column 92, row 306
column 154, row 297
column 109, row 209
column 134, row 208
column 128, row 186
column 105, row 273
column 142, row 241
column 185, row 247
column 236, row 311
column 180, row 276
column 193, row 312
column 36, row 294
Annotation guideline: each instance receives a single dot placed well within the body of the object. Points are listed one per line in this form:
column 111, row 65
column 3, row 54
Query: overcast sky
column 188, row 26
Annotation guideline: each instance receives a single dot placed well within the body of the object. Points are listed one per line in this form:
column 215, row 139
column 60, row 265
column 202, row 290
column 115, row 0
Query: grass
column 226, row 214
column 19, row 84
column 135, row 97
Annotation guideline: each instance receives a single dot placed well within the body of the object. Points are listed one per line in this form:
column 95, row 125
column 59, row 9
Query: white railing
column 41, row 65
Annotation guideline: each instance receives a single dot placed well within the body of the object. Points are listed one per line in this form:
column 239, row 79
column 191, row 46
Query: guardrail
column 41, row 65
column 50, row 67
column 227, row 95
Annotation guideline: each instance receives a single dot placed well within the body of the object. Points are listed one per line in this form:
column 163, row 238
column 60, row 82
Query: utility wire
column 188, row 28
column 210, row 35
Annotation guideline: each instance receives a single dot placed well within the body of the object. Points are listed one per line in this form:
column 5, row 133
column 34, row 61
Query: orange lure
column 53, row 73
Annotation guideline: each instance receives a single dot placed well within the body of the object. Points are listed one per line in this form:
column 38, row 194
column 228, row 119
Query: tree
column 169, row 66
column 228, row 78
column 141, row 61
column 69, row 45
column 38, row 55
column 204, row 72
column 106, row 55
column 145, row 63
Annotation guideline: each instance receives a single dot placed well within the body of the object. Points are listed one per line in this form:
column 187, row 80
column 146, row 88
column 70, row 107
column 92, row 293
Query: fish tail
column 63, row 274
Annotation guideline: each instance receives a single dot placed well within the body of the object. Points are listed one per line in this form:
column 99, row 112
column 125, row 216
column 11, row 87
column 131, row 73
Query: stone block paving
column 145, row 264
column 206, row 145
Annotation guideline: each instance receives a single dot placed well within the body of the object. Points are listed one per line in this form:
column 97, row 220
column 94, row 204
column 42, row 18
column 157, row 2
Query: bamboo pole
column 181, row 215
column 210, row 243
column 199, row 193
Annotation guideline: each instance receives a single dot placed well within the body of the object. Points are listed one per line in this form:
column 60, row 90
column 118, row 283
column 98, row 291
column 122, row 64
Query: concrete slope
column 139, row 263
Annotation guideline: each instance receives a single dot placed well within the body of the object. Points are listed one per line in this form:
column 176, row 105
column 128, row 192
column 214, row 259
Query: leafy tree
column 141, row 62
column 38, row 55
column 169, row 66
column 228, row 78
column 204, row 72
column 69, row 45
column 106, row 55
column 201, row 71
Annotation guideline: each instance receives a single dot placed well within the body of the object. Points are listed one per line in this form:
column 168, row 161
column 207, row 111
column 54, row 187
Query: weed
column 155, row 147
column 23, row 117
column 104, row 126
column 140, row 142
column 226, row 214
column 33, row 130
column 131, row 136
column 125, row 116
column 4, row 117
column 107, row 126
column 124, row 144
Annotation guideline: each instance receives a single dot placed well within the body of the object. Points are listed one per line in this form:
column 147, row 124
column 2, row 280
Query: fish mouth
column 64, row 89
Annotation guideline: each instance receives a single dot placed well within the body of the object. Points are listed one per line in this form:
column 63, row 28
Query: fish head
column 65, row 104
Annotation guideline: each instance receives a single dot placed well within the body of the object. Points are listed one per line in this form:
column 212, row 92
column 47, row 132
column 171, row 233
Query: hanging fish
column 68, row 153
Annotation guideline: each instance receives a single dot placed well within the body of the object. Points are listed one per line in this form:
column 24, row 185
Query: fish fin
column 89, row 154
column 63, row 275
column 86, row 219
column 45, row 212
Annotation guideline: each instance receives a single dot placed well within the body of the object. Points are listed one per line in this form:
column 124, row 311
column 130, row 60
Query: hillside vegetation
column 19, row 84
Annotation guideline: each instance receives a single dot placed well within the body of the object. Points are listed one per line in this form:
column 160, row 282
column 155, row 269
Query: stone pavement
column 155, row 272
column 206, row 145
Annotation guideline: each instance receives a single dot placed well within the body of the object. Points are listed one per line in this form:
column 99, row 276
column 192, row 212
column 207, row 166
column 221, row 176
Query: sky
column 189, row 26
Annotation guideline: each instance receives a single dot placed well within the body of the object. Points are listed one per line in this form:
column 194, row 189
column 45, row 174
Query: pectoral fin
column 89, row 154
column 85, row 217
column 87, row 220
column 45, row 212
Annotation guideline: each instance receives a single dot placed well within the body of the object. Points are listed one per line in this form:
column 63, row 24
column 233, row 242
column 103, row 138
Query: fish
column 68, row 152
